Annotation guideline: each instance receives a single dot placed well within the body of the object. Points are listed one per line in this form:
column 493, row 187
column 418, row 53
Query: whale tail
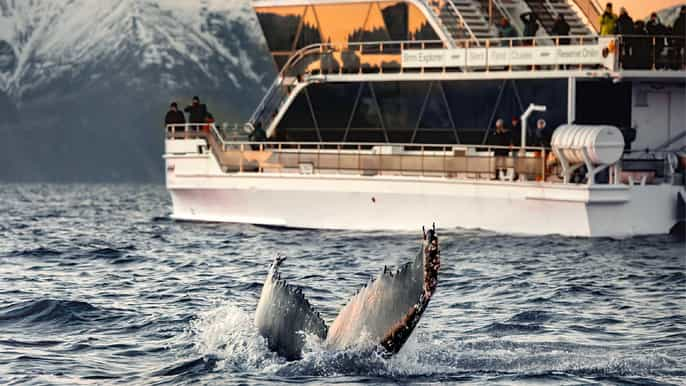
column 387, row 309
column 284, row 315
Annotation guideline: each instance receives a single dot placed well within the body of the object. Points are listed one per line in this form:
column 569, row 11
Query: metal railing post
column 240, row 165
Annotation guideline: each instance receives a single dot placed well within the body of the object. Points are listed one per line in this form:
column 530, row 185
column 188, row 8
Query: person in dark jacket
column 530, row 26
column 175, row 117
column 625, row 26
column 197, row 113
column 640, row 46
column 678, row 36
column 561, row 28
column 501, row 137
column 657, row 31
column 506, row 31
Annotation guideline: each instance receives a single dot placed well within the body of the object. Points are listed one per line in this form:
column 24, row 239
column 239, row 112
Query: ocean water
column 99, row 286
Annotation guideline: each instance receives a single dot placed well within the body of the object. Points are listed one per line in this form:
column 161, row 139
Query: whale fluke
column 385, row 311
column 284, row 315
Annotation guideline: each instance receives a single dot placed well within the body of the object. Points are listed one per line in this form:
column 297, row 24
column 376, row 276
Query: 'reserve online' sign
column 600, row 53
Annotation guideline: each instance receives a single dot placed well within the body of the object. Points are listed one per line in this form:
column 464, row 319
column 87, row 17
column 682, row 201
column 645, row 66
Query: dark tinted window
column 280, row 25
column 395, row 17
column 400, row 104
column 366, row 123
column 297, row 124
column 333, row 103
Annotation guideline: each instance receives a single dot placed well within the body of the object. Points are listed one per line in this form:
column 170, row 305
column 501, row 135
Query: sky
column 642, row 8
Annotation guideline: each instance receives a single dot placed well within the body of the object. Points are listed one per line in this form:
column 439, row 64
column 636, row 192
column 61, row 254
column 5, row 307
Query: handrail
column 462, row 22
column 308, row 145
column 278, row 82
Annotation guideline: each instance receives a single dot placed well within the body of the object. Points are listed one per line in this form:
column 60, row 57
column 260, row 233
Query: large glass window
column 401, row 105
column 280, row 25
column 395, row 16
column 462, row 111
column 365, row 124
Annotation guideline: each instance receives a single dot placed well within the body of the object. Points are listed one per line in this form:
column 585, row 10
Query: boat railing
column 631, row 52
column 407, row 159
column 463, row 24
column 438, row 6
column 458, row 161
column 652, row 53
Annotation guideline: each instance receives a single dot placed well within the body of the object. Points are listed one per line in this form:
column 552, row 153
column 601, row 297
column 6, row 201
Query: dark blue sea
column 99, row 286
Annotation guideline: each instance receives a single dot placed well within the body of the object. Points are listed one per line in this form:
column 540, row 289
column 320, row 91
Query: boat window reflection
column 290, row 28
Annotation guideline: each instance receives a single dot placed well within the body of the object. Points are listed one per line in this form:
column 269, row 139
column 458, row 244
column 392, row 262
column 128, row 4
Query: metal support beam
column 571, row 100
column 525, row 116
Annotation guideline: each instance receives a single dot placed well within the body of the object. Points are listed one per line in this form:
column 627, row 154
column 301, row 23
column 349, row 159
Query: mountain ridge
column 84, row 84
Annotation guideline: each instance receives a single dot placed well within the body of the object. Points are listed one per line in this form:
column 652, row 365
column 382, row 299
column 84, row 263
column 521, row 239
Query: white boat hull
column 406, row 203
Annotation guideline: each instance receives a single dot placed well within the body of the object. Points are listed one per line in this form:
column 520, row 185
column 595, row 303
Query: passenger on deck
column 640, row 46
column 530, row 26
column 197, row 113
column 561, row 28
column 209, row 120
column 506, row 31
column 625, row 26
column 678, row 36
column 541, row 134
column 657, row 32
column 175, row 117
column 608, row 21
column 515, row 130
column 503, row 138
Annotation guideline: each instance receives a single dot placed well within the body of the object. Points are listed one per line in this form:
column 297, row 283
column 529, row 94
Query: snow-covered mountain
column 101, row 73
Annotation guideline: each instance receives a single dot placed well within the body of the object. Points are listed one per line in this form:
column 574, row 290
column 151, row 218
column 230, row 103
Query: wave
column 51, row 311
column 225, row 339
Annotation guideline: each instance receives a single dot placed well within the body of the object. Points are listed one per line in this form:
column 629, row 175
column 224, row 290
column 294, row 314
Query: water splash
column 228, row 333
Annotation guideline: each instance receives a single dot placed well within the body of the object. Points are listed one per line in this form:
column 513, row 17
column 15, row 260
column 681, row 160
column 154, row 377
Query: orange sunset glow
column 642, row 8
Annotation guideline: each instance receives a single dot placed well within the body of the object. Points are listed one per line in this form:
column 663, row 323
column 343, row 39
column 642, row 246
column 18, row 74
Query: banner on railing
column 601, row 53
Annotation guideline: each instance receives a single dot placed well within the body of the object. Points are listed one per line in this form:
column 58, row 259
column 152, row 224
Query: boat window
column 280, row 25
column 309, row 31
column 401, row 105
column 365, row 124
column 289, row 28
column 395, row 17
column 603, row 103
column 418, row 27
column 297, row 124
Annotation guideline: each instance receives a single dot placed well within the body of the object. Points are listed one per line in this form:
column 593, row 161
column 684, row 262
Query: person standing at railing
column 608, row 21
column 679, row 38
column 197, row 113
column 502, row 137
column 625, row 26
column 209, row 120
column 657, row 32
column 530, row 26
column 506, row 31
column 561, row 28
column 640, row 46
column 174, row 117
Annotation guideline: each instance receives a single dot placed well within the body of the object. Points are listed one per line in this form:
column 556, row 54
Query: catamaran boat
column 382, row 117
